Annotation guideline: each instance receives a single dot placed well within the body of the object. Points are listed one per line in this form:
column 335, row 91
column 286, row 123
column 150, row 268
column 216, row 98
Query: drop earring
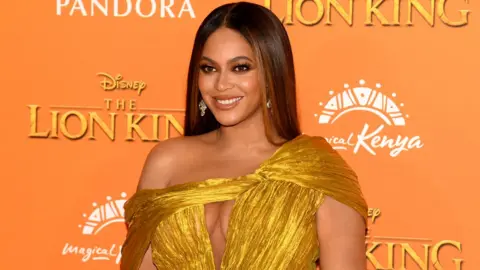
column 269, row 103
column 203, row 107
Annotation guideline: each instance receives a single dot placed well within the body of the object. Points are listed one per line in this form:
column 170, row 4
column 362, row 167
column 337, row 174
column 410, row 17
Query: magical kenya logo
column 370, row 138
column 102, row 216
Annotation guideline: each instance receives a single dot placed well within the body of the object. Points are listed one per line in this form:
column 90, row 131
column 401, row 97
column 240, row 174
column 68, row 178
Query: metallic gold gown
column 272, row 224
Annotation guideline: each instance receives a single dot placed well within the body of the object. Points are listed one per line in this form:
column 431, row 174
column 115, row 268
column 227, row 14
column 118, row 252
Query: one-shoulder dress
column 272, row 224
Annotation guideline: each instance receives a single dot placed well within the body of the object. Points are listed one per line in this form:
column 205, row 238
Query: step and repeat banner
column 90, row 86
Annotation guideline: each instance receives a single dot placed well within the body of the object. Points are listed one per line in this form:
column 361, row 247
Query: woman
column 273, row 198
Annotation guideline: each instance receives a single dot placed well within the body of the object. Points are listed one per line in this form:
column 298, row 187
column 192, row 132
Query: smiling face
column 229, row 78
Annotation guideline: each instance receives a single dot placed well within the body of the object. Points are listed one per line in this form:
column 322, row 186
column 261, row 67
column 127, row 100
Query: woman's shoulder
column 169, row 157
column 317, row 149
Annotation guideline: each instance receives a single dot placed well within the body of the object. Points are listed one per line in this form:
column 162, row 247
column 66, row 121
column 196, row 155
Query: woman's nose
column 223, row 82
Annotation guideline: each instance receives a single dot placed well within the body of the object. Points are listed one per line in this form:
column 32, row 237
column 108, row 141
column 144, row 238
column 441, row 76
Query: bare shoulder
column 166, row 159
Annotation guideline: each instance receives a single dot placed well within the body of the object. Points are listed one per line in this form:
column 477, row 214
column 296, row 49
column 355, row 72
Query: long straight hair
column 269, row 40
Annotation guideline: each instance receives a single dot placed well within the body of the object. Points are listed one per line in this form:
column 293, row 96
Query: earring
column 269, row 104
column 202, row 106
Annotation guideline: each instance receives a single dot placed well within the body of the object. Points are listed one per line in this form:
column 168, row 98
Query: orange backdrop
column 395, row 92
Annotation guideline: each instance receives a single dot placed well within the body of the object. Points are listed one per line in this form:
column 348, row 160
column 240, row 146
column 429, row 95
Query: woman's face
column 229, row 78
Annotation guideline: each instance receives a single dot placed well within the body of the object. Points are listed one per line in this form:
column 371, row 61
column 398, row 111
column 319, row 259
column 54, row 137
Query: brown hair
column 269, row 40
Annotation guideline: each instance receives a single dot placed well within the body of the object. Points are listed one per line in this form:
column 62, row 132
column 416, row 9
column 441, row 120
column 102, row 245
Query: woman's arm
column 156, row 173
column 341, row 236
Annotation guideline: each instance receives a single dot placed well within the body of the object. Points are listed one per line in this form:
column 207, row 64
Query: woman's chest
column 216, row 214
column 268, row 213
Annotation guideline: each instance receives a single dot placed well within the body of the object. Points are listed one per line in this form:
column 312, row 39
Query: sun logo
column 103, row 215
column 362, row 98
column 371, row 137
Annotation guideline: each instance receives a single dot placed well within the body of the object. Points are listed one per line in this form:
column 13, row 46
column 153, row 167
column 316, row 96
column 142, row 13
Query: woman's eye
column 242, row 68
column 207, row 69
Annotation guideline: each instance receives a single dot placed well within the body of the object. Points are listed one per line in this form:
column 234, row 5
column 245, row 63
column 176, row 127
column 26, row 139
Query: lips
column 227, row 102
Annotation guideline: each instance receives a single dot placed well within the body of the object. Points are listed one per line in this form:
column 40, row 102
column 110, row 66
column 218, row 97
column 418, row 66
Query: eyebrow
column 231, row 60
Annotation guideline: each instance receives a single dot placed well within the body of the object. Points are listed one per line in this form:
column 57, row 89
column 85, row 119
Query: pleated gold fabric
column 272, row 224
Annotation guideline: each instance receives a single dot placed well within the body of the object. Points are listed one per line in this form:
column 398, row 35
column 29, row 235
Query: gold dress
column 272, row 224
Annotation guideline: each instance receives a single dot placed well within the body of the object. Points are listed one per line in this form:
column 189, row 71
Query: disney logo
column 111, row 83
